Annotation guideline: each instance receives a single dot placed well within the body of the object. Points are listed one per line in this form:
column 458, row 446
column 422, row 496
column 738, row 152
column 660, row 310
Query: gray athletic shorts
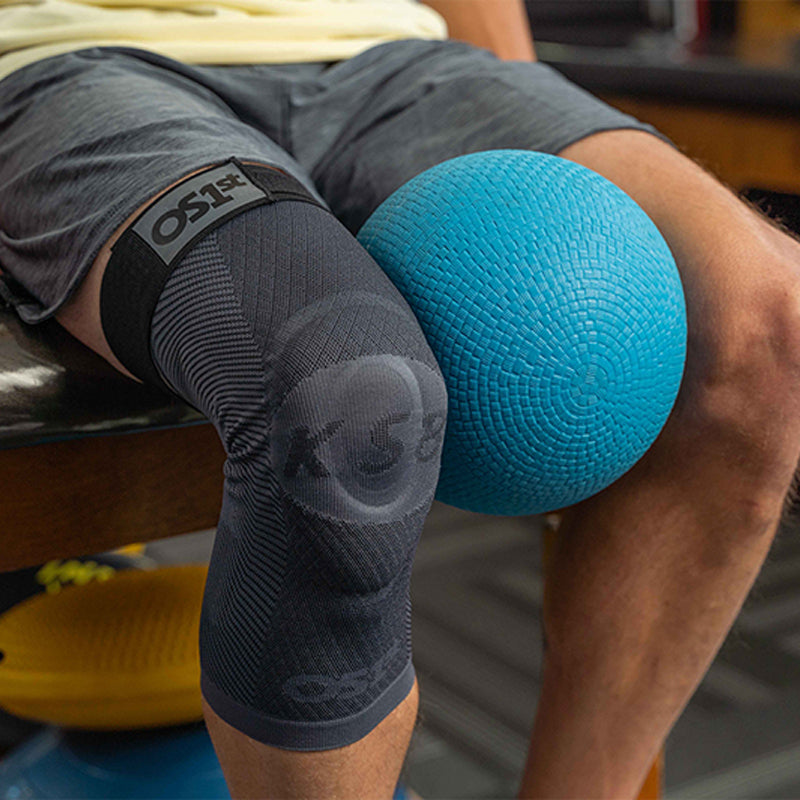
column 88, row 137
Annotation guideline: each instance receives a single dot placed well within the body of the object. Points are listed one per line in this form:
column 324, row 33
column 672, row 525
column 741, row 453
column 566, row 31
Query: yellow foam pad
column 116, row 654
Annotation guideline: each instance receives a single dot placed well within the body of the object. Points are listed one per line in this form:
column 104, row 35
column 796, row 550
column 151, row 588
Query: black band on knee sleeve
column 150, row 248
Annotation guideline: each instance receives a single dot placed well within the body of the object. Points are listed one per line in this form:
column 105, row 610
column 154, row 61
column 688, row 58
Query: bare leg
column 365, row 770
column 650, row 574
column 368, row 768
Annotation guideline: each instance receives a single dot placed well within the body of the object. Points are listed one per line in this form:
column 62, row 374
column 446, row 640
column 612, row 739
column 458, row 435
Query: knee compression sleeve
column 284, row 332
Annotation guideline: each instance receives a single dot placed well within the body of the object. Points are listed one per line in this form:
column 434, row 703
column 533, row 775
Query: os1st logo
column 193, row 206
column 319, row 688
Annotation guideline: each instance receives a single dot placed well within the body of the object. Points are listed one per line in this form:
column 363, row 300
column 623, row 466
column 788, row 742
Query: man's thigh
column 436, row 101
column 87, row 140
column 80, row 314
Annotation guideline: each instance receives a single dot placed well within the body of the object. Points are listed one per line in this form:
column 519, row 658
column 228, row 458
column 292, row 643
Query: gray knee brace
column 283, row 331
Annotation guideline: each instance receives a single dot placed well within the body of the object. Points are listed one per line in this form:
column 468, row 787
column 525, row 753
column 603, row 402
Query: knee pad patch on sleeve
column 281, row 329
column 355, row 445
column 355, row 439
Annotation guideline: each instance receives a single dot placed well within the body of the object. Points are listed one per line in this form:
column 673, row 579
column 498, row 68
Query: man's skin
column 649, row 574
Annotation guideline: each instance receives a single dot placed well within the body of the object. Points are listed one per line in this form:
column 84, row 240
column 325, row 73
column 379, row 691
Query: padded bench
column 91, row 460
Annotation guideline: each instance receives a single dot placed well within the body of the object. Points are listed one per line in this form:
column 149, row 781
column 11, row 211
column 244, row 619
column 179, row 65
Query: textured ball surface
column 555, row 310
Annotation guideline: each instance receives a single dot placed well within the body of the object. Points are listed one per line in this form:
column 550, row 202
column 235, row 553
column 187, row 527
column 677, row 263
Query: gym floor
column 477, row 590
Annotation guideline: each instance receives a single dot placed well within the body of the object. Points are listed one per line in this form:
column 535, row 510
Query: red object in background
column 703, row 19
column 691, row 21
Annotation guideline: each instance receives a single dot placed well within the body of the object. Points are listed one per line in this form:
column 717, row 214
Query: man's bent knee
column 284, row 332
column 740, row 397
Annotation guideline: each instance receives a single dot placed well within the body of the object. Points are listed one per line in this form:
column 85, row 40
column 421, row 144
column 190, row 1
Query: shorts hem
column 622, row 126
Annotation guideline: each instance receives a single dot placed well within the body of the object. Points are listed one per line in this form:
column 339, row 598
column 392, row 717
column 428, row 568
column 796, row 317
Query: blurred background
column 720, row 77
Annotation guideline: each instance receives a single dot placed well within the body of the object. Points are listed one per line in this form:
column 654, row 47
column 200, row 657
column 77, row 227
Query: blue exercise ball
column 555, row 310
column 57, row 764
column 176, row 763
